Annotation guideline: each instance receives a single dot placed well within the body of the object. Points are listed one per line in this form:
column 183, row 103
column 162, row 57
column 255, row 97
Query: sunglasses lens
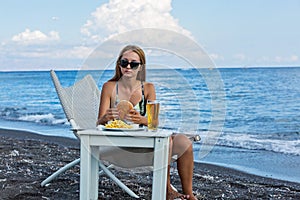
column 133, row 65
column 124, row 63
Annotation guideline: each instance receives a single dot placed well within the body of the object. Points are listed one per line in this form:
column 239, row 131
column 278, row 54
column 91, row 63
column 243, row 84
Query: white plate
column 134, row 128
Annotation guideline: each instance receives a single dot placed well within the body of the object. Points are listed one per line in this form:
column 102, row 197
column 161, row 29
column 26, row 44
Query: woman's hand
column 110, row 114
column 135, row 117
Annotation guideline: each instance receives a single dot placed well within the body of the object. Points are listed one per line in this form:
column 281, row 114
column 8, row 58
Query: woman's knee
column 182, row 140
column 181, row 144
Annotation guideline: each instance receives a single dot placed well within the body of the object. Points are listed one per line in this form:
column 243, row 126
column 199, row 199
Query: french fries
column 117, row 124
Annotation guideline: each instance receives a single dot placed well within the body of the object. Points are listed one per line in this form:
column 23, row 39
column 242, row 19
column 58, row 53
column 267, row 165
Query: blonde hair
column 142, row 73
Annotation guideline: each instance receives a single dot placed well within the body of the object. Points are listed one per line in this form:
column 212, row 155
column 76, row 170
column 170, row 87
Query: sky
column 55, row 34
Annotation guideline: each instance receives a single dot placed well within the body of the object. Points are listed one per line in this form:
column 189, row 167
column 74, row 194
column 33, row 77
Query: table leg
column 94, row 172
column 160, row 168
column 85, row 162
column 88, row 170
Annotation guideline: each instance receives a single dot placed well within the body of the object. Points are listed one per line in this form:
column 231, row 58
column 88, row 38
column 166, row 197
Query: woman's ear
column 142, row 67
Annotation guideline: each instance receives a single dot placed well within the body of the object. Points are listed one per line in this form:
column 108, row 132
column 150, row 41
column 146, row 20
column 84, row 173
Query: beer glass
column 152, row 109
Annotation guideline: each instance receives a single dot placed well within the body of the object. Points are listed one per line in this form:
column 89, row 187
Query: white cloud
column 294, row 58
column 54, row 18
column 118, row 16
column 278, row 60
column 29, row 37
column 282, row 59
column 215, row 56
column 80, row 52
column 287, row 59
column 240, row 57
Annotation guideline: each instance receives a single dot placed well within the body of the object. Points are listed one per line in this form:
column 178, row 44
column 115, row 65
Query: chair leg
column 174, row 188
column 108, row 167
column 61, row 170
column 117, row 181
column 102, row 166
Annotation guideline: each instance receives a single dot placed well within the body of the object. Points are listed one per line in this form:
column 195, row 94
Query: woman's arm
column 106, row 113
column 150, row 93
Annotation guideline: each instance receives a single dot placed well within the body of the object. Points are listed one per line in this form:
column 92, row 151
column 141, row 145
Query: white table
column 89, row 154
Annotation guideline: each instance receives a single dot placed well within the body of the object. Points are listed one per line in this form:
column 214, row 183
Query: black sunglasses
column 133, row 64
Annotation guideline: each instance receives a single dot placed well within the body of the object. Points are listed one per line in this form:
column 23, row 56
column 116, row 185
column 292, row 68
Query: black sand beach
column 27, row 159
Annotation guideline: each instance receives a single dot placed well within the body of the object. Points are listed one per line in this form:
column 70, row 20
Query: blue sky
column 42, row 35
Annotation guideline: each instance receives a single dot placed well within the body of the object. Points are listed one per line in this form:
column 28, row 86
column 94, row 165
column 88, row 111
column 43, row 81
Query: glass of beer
column 152, row 109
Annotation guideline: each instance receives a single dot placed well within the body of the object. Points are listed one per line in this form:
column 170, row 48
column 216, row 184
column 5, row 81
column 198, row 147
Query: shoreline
column 28, row 158
column 252, row 172
column 67, row 141
column 28, row 135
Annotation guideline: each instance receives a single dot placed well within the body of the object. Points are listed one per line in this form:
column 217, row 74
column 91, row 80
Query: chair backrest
column 80, row 102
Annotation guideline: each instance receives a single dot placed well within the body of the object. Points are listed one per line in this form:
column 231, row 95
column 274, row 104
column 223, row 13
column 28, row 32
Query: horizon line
column 216, row 67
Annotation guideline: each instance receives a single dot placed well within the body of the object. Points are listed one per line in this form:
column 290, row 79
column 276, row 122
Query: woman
column 129, row 84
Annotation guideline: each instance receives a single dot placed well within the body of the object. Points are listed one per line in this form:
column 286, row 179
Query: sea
column 248, row 118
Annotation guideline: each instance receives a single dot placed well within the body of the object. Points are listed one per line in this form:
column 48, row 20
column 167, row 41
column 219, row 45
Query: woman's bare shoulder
column 149, row 90
column 109, row 85
column 148, row 85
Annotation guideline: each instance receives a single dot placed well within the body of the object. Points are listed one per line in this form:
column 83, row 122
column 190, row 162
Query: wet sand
column 28, row 158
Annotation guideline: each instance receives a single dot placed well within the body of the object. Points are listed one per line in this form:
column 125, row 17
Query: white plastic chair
column 80, row 103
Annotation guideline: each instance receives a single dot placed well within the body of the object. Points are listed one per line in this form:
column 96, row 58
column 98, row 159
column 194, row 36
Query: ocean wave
column 253, row 142
column 48, row 119
column 12, row 112
column 21, row 114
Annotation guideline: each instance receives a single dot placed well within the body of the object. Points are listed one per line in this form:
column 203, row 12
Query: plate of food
column 119, row 125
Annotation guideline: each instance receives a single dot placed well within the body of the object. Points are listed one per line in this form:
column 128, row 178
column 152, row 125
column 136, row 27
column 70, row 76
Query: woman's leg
column 182, row 146
column 171, row 194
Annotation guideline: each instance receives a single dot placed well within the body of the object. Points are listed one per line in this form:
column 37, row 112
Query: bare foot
column 172, row 195
column 192, row 197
